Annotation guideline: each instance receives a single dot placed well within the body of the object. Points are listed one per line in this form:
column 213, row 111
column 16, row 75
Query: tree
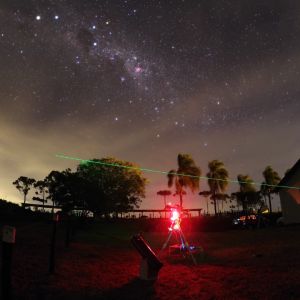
column 187, row 175
column 223, row 198
column 164, row 193
column 66, row 189
column 206, row 194
column 23, row 184
column 268, row 186
column 217, row 180
column 247, row 196
column 41, row 187
column 115, row 185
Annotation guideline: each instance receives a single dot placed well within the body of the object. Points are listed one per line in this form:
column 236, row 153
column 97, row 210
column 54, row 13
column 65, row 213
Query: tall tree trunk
column 24, row 198
column 180, row 194
column 43, row 201
column 270, row 202
column 207, row 204
column 215, row 203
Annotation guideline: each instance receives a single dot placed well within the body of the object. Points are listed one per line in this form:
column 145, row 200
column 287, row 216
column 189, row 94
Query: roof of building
column 285, row 180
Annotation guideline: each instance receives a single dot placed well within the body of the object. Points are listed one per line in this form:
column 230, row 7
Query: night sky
column 145, row 80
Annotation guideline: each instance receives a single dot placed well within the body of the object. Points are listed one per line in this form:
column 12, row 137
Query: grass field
column 101, row 263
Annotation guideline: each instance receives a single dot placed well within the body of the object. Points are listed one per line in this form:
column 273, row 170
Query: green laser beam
column 172, row 173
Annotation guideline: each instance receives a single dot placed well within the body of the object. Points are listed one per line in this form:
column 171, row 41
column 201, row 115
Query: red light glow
column 175, row 215
column 175, row 218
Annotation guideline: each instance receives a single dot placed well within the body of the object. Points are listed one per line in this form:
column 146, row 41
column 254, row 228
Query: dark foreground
column 102, row 264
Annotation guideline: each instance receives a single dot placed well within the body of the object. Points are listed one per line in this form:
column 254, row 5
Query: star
column 137, row 69
column 38, row 17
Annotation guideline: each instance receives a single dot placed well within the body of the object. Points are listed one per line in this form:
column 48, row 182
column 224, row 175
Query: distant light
column 116, row 118
column 95, row 44
column 94, row 27
column 38, row 17
column 56, row 17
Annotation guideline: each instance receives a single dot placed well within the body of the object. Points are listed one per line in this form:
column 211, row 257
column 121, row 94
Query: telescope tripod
column 184, row 246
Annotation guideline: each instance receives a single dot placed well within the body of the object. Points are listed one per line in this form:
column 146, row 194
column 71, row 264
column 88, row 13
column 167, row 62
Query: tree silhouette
column 217, row 179
column 247, row 194
column 206, row 194
column 112, row 188
column 41, row 187
column 23, row 184
column 58, row 186
column 164, row 193
column 186, row 166
column 271, row 178
column 223, row 198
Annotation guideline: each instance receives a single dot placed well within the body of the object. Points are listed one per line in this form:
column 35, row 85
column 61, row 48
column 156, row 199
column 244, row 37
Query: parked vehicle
column 251, row 221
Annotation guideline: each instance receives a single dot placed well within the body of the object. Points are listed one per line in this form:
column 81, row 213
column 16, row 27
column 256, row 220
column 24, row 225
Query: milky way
column 145, row 80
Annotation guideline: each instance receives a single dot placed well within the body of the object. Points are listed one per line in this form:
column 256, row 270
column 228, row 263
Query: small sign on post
column 9, row 234
column 8, row 240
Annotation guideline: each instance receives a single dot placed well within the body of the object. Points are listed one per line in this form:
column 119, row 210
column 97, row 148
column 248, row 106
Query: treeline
column 188, row 174
column 101, row 186
column 108, row 185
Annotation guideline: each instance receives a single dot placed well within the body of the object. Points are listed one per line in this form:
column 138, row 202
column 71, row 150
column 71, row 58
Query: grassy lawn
column 102, row 264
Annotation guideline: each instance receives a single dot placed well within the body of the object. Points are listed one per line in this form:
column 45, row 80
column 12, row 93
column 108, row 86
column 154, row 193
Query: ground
column 101, row 263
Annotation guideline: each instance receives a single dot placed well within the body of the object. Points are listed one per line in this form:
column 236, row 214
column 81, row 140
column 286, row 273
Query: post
column 68, row 231
column 8, row 240
column 52, row 245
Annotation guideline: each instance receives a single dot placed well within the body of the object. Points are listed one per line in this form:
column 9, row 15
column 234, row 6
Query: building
column 289, row 192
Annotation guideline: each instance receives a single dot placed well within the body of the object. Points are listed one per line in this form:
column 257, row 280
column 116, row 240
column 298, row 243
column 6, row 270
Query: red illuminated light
column 175, row 218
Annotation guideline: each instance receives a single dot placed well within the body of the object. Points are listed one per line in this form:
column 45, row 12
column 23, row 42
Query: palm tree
column 206, row 194
column 222, row 197
column 23, row 184
column 164, row 193
column 217, row 179
column 247, row 194
column 271, row 180
column 187, row 175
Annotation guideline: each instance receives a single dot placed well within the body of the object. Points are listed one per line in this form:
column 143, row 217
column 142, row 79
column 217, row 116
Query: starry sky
column 145, row 80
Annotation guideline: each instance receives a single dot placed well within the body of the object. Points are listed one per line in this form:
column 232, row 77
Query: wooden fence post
column 8, row 240
column 52, row 245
